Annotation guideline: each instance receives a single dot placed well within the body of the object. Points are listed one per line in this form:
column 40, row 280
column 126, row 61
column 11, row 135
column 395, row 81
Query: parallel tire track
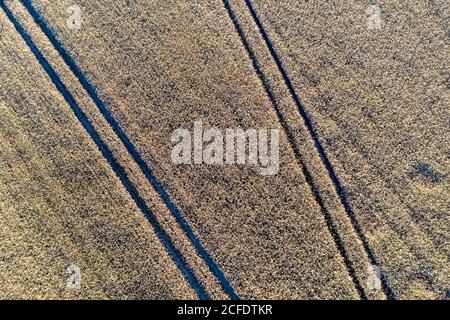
column 212, row 265
column 320, row 149
column 307, row 174
column 107, row 154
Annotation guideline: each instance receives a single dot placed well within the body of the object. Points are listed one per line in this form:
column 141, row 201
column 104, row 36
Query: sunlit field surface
column 99, row 98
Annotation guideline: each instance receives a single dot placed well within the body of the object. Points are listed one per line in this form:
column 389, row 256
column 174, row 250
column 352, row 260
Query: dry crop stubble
column 373, row 84
column 379, row 103
column 136, row 176
column 62, row 203
column 286, row 242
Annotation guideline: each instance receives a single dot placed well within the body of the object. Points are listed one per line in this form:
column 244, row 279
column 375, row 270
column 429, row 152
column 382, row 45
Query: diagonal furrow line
column 308, row 177
column 321, row 151
column 212, row 265
column 107, row 154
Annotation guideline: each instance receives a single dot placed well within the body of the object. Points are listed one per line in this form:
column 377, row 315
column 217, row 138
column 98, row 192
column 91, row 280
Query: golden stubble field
column 377, row 100
column 61, row 204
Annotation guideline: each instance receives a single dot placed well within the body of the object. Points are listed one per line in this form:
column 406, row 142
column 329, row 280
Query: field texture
column 92, row 204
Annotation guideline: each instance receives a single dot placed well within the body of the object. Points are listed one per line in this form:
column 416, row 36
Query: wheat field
column 92, row 205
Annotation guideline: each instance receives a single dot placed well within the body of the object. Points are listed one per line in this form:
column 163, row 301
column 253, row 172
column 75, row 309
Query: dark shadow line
column 107, row 154
column 307, row 119
column 212, row 265
column 308, row 177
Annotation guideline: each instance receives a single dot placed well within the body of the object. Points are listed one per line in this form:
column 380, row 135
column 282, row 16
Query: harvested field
column 357, row 208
